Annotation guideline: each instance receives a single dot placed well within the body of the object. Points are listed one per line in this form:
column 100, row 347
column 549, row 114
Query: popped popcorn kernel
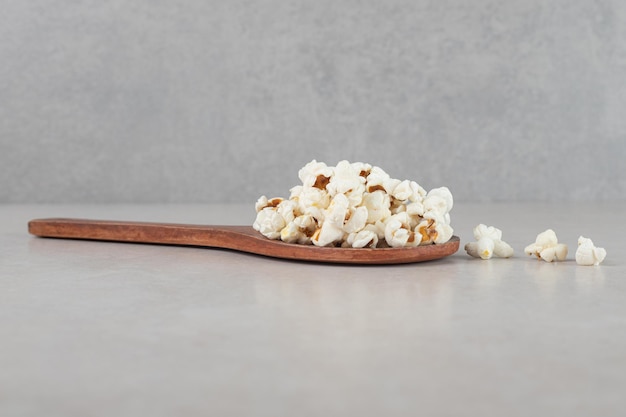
column 488, row 243
column 263, row 202
column 547, row 247
column 398, row 232
column 428, row 233
column 362, row 239
column 587, row 254
column 269, row 223
column 376, row 187
column 356, row 205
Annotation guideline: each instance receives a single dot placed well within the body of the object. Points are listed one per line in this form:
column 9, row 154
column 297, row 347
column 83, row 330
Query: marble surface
column 92, row 328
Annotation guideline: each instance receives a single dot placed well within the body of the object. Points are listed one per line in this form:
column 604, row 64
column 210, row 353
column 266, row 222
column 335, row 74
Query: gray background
column 221, row 101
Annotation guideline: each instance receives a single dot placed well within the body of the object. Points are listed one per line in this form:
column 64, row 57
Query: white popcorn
column 587, row 254
column 398, row 232
column 291, row 233
column 502, row 249
column 490, row 232
column 444, row 233
column 482, row 248
column 427, row 230
column 327, row 235
column 313, row 201
column 547, row 247
column 397, row 206
column 287, row 209
column 488, row 243
column 347, row 179
column 306, row 223
column 356, row 205
column 407, row 191
column 415, row 209
column 315, row 174
column 263, row 202
column 439, row 199
column 363, row 168
column 356, row 220
column 362, row 239
column 269, row 223
column 337, row 210
column 377, row 204
column 380, row 180
column 299, row 230
column 436, row 216
column 295, row 192
column 331, row 230
column 379, row 229
column 355, row 196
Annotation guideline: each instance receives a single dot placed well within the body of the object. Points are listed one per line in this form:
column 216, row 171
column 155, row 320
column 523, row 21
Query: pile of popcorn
column 356, row 205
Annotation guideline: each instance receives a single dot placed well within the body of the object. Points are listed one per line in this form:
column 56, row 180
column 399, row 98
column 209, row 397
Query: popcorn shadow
column 547, row 276
column 490, row 273
column 589, row 279
column 551, row 278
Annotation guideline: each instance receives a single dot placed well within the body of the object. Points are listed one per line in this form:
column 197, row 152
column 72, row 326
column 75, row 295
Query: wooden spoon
column 240, row 238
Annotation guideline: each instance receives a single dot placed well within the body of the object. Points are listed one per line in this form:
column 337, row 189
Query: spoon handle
column 232, row 237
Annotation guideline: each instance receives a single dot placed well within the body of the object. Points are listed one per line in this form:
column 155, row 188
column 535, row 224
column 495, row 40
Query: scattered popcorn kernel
column 356, row 205
column 472, row 249
column 488, row 243
column 501, row 249
column 490, row 232
column 484, row 247
column 547, row 247
column 588, row 254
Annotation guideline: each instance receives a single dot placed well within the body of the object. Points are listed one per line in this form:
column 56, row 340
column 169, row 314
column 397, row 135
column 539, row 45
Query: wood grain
column 239, row 238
